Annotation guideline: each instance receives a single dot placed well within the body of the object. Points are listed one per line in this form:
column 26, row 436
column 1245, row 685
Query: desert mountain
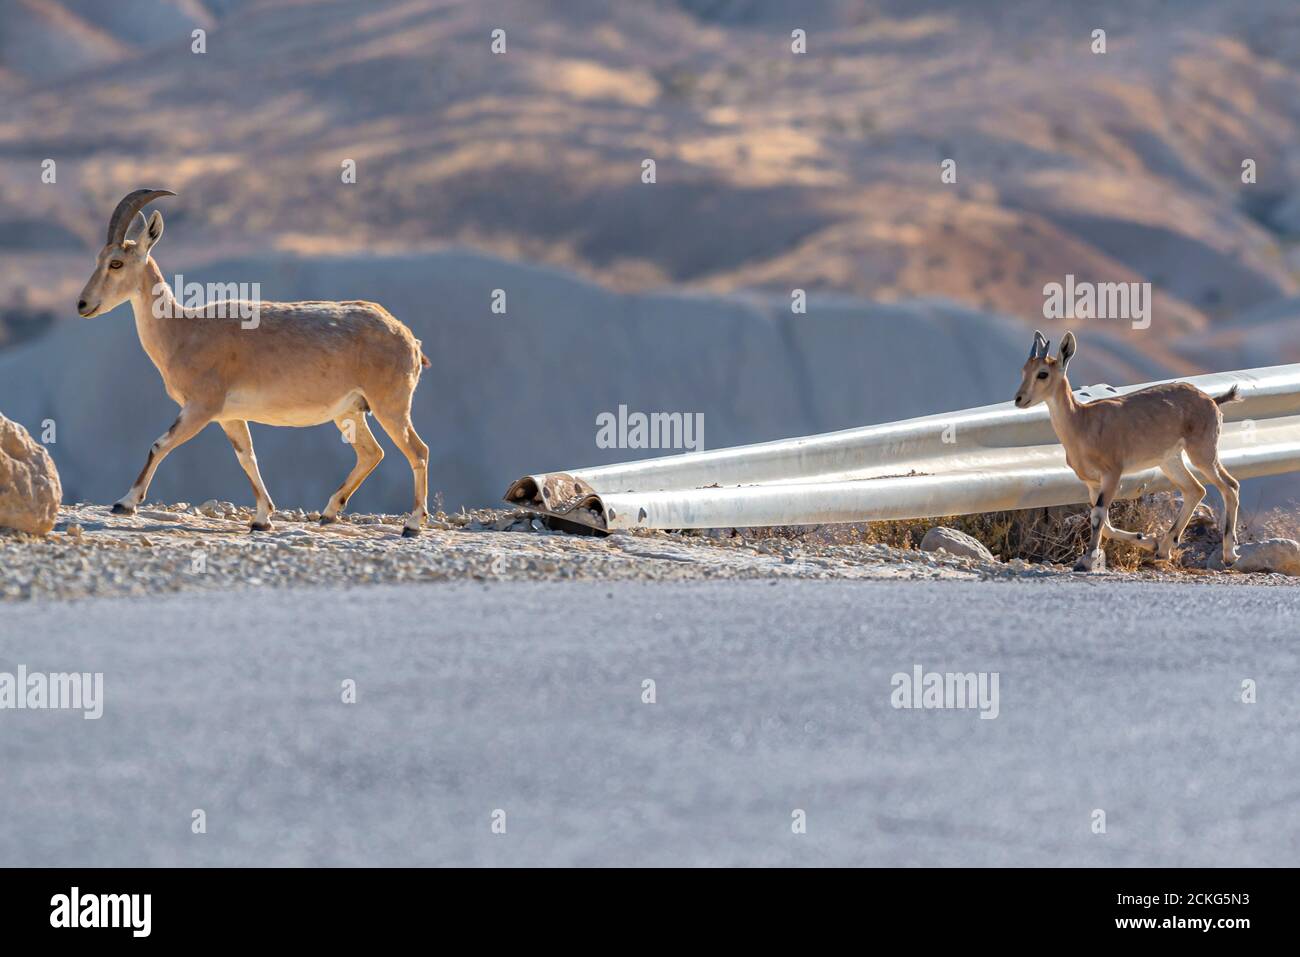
column 774, row 170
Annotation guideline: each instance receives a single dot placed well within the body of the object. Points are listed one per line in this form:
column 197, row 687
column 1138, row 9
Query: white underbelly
column 263, row 409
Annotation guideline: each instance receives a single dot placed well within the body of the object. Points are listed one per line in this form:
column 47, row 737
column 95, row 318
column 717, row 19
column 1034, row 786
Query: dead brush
column 1277, row 522
column 1040, row 535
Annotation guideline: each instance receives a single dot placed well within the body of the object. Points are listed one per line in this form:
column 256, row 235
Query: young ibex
column 1152, row 427
column 303, row 363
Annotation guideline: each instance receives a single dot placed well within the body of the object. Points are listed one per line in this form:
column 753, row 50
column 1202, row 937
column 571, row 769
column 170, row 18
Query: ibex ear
column 1067, row 350
column 1039, row 347
column 139, row 226
column 152, row 231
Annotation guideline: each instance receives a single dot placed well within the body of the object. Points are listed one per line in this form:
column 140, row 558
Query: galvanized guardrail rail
column 992, row 458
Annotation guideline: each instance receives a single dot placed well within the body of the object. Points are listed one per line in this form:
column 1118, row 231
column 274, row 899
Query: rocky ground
column 172, row 548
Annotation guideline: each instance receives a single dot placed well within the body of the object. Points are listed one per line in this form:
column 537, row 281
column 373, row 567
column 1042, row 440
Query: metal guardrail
column 992, row 458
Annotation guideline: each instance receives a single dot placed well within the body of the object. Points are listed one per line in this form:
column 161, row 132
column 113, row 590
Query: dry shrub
column 1274, row 523
column 1055, row 535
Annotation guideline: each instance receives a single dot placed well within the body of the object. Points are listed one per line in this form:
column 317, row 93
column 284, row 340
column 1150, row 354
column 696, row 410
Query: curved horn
column 131, row 204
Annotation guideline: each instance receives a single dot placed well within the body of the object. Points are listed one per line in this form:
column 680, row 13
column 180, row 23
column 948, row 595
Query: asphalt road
column 770, row 697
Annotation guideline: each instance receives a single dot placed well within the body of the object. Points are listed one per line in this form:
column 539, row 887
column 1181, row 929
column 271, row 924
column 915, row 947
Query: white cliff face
column 29, row 483
column 521, row 392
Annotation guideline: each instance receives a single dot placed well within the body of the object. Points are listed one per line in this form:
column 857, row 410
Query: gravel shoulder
column 175, row 548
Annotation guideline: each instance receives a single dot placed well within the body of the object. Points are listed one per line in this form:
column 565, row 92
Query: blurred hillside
column 775, row 171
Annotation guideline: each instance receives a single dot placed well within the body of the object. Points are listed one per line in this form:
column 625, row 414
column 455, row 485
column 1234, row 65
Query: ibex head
column 121, row 262
column 1042, row 373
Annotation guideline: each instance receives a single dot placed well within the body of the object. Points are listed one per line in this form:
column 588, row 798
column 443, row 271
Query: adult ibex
column 301, row 364
column 1105, row 438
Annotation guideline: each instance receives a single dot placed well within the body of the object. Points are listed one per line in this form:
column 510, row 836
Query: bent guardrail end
column 561, row 497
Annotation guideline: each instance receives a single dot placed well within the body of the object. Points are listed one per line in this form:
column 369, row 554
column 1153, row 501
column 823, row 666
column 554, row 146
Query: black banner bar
column 338, row 906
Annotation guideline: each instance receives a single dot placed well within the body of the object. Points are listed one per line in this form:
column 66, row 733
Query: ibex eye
column 115, row 264
column 1043, row 374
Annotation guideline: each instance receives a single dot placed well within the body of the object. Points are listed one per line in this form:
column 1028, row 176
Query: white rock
column 1271, row 555
column 955, row 543
column 30, row 490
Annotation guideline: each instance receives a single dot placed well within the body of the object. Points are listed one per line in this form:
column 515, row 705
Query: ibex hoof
column 1090, row 562
column 260, row 527
column 120, row 509
column 408, row 532
column 328, row 519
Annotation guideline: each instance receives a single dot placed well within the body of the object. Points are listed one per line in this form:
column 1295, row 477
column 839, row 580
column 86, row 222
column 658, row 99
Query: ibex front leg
column 187, row 425
column 1100, row 521
column 242, row 440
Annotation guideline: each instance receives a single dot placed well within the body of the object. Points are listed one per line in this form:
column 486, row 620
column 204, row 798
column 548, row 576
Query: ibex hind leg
column 399, row 428
column 1205, row 456
column 354, row 430
column 1192, row 491
column 1230, row 489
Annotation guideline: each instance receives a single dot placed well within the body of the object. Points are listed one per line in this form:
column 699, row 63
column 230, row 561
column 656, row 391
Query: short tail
column 1232, row 395
column 424, row 361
